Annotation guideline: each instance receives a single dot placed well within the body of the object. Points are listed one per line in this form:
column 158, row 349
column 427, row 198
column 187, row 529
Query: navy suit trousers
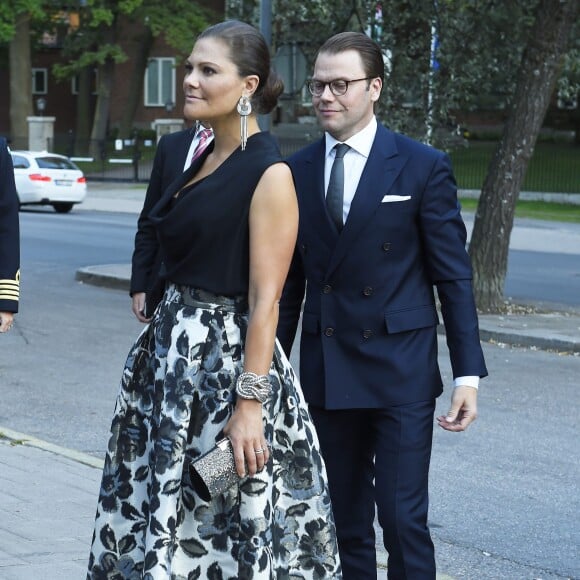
column 380, row 457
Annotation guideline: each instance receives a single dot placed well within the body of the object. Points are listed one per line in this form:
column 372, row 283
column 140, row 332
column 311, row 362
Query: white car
column 48, row 179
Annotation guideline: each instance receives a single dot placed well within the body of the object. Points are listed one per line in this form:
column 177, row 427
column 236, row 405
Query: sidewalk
column 47, row 509
column 49, row 497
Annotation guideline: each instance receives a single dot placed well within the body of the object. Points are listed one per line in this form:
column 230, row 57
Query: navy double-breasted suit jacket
column 9, row 234
column 369, row 327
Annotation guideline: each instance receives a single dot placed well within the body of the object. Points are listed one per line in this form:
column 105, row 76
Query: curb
column 541, row 343
column 17, row 438
column 117, row 279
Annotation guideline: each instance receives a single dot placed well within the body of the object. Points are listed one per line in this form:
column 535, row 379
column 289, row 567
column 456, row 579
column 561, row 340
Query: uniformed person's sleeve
column 9, row 234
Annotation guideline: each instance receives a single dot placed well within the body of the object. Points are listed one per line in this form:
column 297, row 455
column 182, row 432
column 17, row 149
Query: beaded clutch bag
column 214, row 472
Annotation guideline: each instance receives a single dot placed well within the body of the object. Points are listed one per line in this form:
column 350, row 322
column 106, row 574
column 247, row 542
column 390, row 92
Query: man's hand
column 463, row 410
column 138, row 306
column 6, row 319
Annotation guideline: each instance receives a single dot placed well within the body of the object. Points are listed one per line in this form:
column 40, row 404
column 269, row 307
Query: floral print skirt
column 176, row 395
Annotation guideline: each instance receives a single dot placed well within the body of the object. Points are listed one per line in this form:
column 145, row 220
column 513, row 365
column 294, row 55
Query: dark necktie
column 335, row 192
column 204, row 135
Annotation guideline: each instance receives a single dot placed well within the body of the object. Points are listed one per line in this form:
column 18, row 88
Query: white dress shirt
column 354, row 161
column 194, row 143
column 354, row 164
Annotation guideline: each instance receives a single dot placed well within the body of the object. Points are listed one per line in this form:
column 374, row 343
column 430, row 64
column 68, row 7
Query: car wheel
column 61, row 207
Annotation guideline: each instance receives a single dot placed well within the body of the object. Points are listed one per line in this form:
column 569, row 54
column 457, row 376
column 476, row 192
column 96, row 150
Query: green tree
column 568, row 90
column 16, row 17
column 479, row 45
column 514, row 50
column 96, row 44
column 180, row 23
column 537, row 76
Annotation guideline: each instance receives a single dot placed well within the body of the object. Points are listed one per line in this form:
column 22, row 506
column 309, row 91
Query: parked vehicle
column 44, row 178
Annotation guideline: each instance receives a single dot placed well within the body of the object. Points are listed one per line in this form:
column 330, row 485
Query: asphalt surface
column 543, row 327
column 48, row 493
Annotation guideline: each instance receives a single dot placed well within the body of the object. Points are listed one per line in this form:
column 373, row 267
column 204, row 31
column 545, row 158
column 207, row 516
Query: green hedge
column 554, row 167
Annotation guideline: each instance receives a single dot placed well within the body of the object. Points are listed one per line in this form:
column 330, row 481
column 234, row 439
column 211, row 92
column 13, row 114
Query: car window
column 55, row 163
column 20, row 162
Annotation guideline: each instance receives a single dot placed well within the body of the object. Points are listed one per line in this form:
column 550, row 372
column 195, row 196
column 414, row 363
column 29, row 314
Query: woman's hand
column 138, row 306
column 246, row 432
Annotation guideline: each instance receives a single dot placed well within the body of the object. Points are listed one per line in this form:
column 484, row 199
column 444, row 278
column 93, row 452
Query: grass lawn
column 554, row 167
column 542, row 210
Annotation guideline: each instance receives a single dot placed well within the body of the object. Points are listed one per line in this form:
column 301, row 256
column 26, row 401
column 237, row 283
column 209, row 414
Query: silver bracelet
column 252, row 386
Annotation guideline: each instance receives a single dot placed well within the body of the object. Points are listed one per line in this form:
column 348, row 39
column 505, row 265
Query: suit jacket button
column 386, row 246
column 329, row 331
column 368, row 291
column 327, row 289
column 367, row 333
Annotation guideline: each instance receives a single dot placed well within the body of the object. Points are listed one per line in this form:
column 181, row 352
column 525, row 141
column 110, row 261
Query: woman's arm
column 273, row 231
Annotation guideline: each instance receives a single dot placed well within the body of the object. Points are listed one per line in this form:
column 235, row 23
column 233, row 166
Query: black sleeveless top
column 204, row 232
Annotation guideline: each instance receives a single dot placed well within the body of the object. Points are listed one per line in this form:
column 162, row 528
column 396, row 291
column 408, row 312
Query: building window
column 39, row 81
column 160, row 82
column 94, row 83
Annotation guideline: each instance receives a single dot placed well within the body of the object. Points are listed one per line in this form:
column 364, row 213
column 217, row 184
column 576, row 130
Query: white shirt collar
column 361, row 142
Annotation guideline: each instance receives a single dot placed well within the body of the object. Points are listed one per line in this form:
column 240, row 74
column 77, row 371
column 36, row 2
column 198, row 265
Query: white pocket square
column 391, row 198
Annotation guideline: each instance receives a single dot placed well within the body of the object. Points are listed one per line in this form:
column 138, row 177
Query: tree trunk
column 136, row 83
column 494, row 218
column 101, row 118
column 105, row 86
column 83, row 122
column 20, row 82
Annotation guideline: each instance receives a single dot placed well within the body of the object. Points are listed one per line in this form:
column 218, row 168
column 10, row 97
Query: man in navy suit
column 368, row 353
column 173, row 156
column 9, row 241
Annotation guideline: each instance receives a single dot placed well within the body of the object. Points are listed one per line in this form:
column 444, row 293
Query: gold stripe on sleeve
column 9, row 290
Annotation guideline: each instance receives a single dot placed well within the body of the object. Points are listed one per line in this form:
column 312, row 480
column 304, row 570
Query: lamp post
column 169, row 105
column 266, row 30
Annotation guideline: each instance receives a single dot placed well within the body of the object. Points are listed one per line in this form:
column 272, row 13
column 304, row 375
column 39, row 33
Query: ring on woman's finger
column 258, row 451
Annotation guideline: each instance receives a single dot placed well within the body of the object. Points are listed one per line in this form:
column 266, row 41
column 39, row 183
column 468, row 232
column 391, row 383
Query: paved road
column 504, row 495
column 543, row 268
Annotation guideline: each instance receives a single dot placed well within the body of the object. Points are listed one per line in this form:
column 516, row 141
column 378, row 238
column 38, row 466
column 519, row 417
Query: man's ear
column 375, row 89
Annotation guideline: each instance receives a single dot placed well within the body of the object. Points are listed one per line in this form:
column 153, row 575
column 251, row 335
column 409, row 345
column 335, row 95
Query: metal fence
column 555, row 167
column 126, row 159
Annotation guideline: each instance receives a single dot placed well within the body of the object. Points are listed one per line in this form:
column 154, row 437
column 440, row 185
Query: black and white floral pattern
column 176, row 395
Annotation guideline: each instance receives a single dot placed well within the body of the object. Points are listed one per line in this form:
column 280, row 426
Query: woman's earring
column 244, row 109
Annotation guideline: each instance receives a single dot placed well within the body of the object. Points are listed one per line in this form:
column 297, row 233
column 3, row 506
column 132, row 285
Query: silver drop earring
column 244, row 109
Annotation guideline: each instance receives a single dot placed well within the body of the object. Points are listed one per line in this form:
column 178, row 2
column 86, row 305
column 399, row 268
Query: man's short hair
column 370, row 52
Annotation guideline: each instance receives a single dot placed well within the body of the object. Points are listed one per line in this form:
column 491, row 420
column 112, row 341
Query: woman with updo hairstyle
column 251, row 55
column 207, row 368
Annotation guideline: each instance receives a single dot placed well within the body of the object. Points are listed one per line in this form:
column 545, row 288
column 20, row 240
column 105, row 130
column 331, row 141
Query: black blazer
column 168, row 164
column 9, row 234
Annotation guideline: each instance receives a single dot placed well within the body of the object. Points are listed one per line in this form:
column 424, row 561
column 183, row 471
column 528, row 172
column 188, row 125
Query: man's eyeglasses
column 337, row 87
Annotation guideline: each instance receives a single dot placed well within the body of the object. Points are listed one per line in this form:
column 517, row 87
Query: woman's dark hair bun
column 267, row 97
